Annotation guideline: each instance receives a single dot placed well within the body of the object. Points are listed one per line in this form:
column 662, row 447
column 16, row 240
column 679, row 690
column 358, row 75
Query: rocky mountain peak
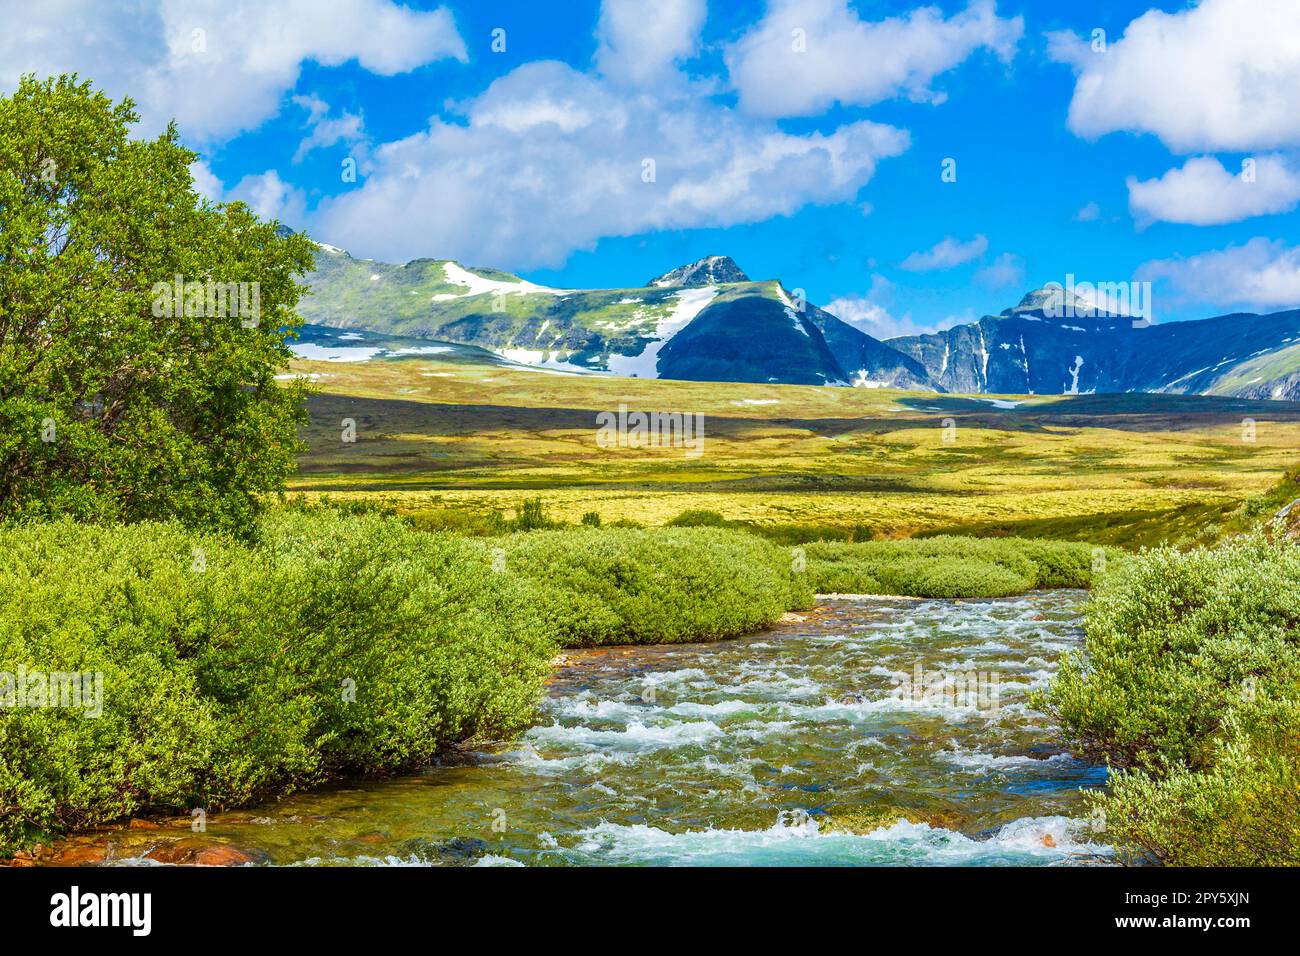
column 1054, row 299
column 711, row 270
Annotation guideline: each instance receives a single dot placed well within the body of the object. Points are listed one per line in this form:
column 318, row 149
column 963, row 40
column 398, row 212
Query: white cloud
column 1007, row 269
column 638, row 46
column 877, row 321
column 1261, row 275
column 323, row 130
column 218, row 67
column 871, row 313
column 855, row 62
column 272, row 198
column 946, row 254
column 1221, row 75
column 206, row 183
column 1204, row 193
column 1089, row 213
column 549, row 160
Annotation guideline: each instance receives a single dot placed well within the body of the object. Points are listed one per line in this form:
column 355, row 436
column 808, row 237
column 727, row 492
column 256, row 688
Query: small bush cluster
column 952, row 567
column 1189, row 687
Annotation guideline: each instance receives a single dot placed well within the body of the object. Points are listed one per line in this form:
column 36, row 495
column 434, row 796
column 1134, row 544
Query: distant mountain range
column 1030, row 349
column 708, row 321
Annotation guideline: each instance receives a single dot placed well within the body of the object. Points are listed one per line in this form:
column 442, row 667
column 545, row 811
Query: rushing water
column 735, row 752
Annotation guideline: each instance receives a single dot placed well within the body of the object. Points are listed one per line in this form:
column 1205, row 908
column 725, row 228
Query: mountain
column 704, row 321
column 1030, row 348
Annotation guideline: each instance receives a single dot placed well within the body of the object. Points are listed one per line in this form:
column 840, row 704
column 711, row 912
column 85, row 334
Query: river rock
column 86, row 855
column 200, row 853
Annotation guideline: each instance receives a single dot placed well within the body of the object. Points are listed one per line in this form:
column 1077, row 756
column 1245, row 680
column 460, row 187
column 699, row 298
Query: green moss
column 861, row 820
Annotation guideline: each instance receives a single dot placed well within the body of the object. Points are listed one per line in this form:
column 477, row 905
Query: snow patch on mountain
column 1074, row 376
column 542, row 359
column 455, row 274
column 790, row 310
column 690, row 303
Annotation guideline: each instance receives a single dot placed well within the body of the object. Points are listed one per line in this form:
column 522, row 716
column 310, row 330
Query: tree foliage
column 116, row 402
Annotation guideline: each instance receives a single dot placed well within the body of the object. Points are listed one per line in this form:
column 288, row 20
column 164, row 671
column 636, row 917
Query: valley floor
column 451, row 439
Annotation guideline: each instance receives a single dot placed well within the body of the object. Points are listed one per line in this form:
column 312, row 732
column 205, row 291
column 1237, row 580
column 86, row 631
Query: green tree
column 119, row 400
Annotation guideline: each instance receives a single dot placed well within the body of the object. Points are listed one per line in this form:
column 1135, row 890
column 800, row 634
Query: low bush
column 630, row 586
column 1188, row 685
column 949, row 567
column 700, row 518
column 1241, row 810
column 233, row 672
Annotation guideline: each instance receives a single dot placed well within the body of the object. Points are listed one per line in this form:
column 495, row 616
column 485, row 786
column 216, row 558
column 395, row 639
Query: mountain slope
column 703, row 321
column 1028, row 349
column 749, row 335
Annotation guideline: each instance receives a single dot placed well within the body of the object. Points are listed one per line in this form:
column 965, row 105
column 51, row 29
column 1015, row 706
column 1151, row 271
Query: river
column 738, row 752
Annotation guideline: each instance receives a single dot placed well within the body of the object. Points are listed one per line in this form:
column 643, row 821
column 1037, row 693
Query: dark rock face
column 868, row 361
column 1032, row 349
column 757, row 333
column 750, row 338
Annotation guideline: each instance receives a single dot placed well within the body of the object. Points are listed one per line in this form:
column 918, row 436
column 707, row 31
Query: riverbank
column 1189, row 687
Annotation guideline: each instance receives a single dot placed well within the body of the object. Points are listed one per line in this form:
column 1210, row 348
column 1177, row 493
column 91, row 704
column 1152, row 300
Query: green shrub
column 231, row 673
column 948, row 567
column 698, row 518
column 625, row 586
column 1172, row 644
column 1241, row 810
column 531, row 516
column 332, row 645
column 591, row 519
column 1189, row 687
column 462, row 521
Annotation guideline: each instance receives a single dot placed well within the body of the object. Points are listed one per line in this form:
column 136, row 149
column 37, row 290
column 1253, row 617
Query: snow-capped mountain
column 705, row 321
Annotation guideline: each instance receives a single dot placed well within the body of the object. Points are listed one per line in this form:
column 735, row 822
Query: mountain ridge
column 1033, row 349
column 742, row 330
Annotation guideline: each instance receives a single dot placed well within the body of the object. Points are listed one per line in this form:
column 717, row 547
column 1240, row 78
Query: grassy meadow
column 450, row 439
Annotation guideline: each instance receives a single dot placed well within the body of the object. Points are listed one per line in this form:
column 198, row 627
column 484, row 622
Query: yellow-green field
column 441, row 434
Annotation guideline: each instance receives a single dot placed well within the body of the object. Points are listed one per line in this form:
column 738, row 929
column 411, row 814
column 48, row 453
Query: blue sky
column 821, row 166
